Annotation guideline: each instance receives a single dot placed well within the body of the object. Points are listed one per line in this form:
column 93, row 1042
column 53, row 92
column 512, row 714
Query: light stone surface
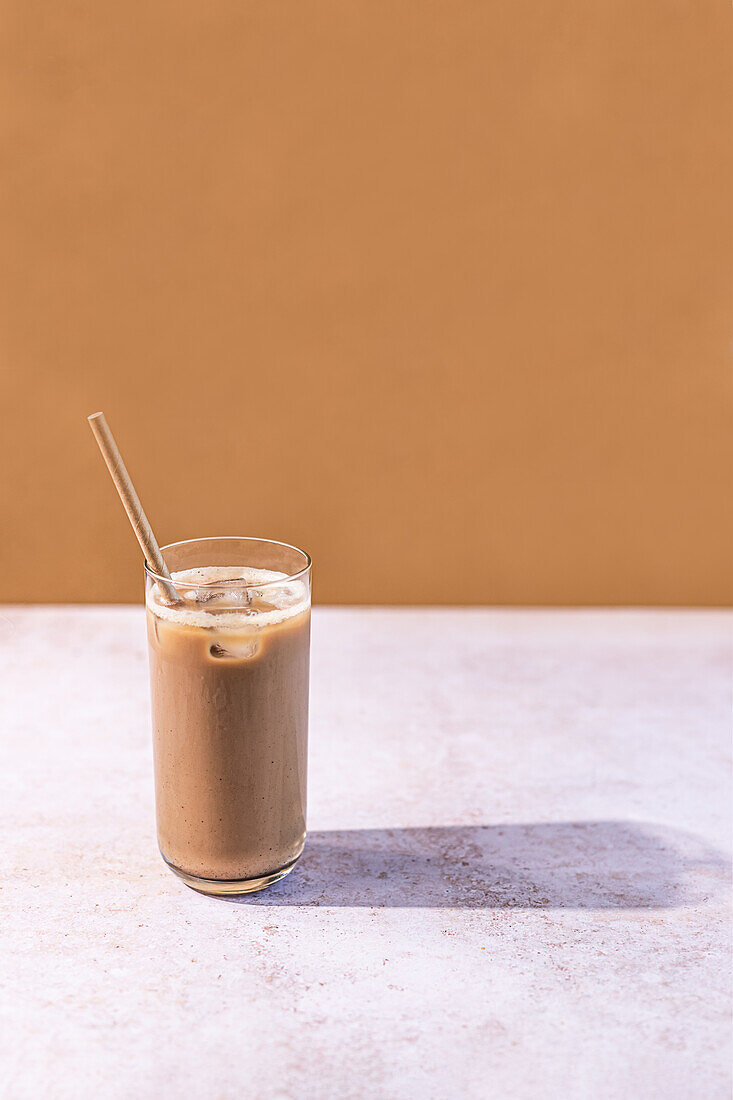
column 516, row 882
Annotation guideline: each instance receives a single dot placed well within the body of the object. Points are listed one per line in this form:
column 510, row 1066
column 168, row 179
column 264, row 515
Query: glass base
column 223, row 888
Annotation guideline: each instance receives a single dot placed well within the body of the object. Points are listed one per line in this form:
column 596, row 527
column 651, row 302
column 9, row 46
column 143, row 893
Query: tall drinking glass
column 229, row 661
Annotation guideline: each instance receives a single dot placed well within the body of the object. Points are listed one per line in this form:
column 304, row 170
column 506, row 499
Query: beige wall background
column 440, row 291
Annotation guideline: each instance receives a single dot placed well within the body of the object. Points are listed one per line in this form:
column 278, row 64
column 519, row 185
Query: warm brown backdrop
column 439, row 290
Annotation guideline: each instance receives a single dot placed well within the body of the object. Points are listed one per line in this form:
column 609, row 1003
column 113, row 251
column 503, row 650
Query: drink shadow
column 561, row 865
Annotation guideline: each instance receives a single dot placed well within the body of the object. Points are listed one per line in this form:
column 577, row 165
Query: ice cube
column 235, row 649
column 221, row 598
column 277, row 597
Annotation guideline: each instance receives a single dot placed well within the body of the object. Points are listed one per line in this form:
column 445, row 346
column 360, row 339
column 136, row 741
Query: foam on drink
column 230, row 598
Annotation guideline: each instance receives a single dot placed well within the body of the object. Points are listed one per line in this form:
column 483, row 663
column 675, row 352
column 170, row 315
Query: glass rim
column 288, row 578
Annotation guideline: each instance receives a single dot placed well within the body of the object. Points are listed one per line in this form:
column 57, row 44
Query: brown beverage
column 229, row 684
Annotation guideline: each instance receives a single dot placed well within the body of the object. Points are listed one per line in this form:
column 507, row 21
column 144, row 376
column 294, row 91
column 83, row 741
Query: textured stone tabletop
column 515, row 883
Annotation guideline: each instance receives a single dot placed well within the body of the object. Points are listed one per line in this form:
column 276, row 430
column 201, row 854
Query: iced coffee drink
column 229, row 656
